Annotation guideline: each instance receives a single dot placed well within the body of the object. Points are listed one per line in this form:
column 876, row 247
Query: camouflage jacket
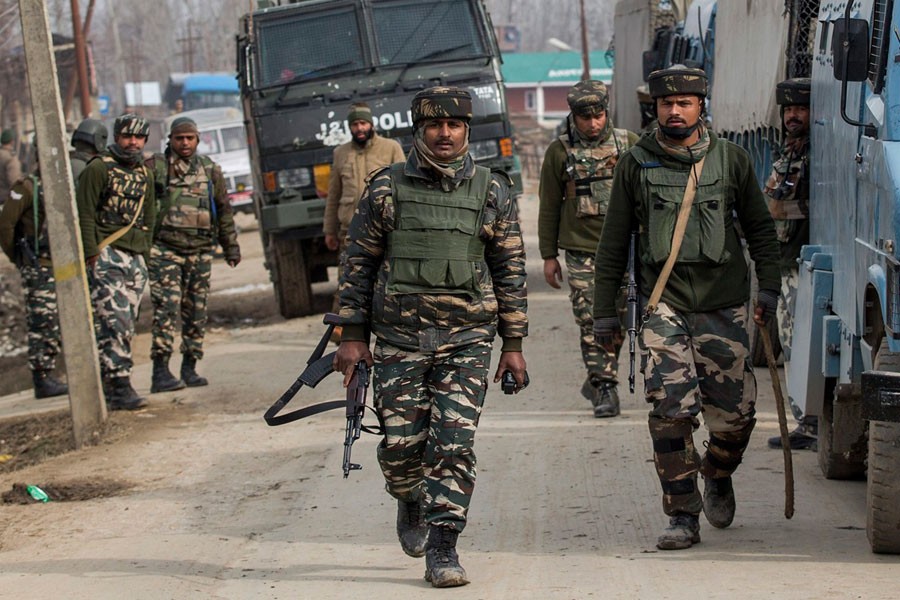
column 183, row 225
column 108, row 195
column 434, row 322
column 787, row 192
column 17, row 222
column 559, row 223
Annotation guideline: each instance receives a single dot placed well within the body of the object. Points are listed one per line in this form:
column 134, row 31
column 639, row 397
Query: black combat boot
column 442, row 567
column 411, row 528
column 804, row 437
column 683, row 532
column 121, row 396
column 163, row 380
column 46, row 385
column 718, row 501
column 607, row 403
column 189, row 375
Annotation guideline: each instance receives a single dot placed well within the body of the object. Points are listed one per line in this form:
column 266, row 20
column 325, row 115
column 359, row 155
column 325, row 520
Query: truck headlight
column 483, row 150
column 294, row 178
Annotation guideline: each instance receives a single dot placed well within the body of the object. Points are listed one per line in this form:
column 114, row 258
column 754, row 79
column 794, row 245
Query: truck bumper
column 881, row 396
column 292, row 215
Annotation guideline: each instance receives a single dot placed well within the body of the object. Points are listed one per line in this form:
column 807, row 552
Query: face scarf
column 687, row 154
column 129, row 159
column 447, row 170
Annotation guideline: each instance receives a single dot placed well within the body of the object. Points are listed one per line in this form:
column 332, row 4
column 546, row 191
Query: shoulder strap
column 680, row 226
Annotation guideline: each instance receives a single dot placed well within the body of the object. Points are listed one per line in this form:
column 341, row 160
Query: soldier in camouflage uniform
column 694, row 345
column 787, row 191
column 194, row 213
column 24, row 239
column 576, row 179
column 116, row 213
column 435, row 267
column 88, row 140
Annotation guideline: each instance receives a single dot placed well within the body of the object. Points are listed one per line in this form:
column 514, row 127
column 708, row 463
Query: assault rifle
column 631, row 304
column 318, row 367
column 27, row 252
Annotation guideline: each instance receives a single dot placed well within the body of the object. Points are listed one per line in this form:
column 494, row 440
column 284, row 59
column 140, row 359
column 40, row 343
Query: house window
column 530, row 100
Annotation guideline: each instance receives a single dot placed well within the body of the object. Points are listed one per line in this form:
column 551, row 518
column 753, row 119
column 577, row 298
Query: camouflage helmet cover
column 131, row 124
column 588, row 98
column 442, row 103
column 677, row 79
column 793, row 91
column 91, row 132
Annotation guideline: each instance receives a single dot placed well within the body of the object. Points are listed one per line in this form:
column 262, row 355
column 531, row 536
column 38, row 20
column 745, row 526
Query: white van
column 223, row 139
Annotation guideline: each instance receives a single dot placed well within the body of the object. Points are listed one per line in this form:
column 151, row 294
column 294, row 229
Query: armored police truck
column 301, row 66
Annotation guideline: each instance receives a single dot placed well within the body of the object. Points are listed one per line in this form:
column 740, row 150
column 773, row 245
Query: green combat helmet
column 677, row 79
column 588, row 98
column 793, row 91
column 442, row 103
column 93, row 133
column 131, row 124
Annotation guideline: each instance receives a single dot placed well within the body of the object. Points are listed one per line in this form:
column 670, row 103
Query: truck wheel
column 842, row 457
column 290, row 276
column 757, row 350
column 883, row 490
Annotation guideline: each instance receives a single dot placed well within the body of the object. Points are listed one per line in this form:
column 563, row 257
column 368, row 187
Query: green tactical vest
column 187, row 201
column 435, row 247
column 590, row 172
column 124, row 191
column 711, row 212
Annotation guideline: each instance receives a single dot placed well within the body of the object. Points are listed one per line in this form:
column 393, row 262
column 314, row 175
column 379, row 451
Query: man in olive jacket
column 116, row 213
column 694, row 342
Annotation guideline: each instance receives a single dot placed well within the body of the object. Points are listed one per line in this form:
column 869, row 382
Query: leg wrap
column 677, row 463
column 724, row 451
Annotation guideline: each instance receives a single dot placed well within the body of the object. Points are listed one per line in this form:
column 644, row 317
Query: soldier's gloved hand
column 606, row 331
column 766, row 304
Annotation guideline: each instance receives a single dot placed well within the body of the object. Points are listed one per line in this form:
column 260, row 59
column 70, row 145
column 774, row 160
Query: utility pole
column 121, row 77
column 81, row 61
column 189, row 40
column 585, row 51
column 73, row 78
column 76, row 321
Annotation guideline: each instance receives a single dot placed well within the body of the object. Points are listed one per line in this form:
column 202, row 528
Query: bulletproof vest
column 787, row 189
column 711, row 211
column 188, row 200
column 590, row 172
column 435, row 247
column 124, row 190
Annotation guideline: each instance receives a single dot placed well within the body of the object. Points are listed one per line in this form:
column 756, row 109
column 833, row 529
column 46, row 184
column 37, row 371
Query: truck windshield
column 407, row 31
column 308, row 45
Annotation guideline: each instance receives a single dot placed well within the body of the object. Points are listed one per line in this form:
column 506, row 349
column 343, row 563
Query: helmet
column 91, row 132
column 131, row 124
column 793, row 91
column 588, row 98
column 442, row 103
column 677, row 79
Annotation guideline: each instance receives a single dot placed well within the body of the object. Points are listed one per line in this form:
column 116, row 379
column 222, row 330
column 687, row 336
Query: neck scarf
column 580, row 138
column 129, row 159
column 447, row 170
column 687, row 154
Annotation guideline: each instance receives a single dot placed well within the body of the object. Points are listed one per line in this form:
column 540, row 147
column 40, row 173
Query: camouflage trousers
column 429, row 404
column 117, row 282
column 342, row 248
column 41, row 317
column 179, row 285
column 697, row 363
column 580, row 266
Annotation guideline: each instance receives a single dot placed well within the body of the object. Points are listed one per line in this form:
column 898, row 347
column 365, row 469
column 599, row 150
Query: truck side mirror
column 850, row 49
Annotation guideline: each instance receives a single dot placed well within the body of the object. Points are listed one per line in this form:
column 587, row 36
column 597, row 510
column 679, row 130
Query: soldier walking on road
column 117, row 212
column 694, row 342
column 434, row 268
column 10, row 167
column 576, row 179
column 353, row 161
column 88, row 140
column 194, row 213
column 787, row 191
column 24, row 239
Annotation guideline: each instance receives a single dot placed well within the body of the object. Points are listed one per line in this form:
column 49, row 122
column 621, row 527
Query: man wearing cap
column 787, row 191
column 353, row 161
column 10, row 166
column 434, row 269
column 576, row 179
column 24, row 239
column 88, row 140
column 194, row 214
column 116, row 213
column 694, row 341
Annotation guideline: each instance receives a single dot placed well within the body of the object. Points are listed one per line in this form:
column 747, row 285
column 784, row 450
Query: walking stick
column 782, row 423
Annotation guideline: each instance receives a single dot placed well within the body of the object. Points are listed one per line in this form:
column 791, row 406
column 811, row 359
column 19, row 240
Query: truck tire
column 883, row 489
column 757, row 350
column 290, row 276
column 842, row 414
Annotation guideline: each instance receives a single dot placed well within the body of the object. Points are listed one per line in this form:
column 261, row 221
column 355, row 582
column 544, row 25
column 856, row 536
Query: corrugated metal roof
column 564, row 68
